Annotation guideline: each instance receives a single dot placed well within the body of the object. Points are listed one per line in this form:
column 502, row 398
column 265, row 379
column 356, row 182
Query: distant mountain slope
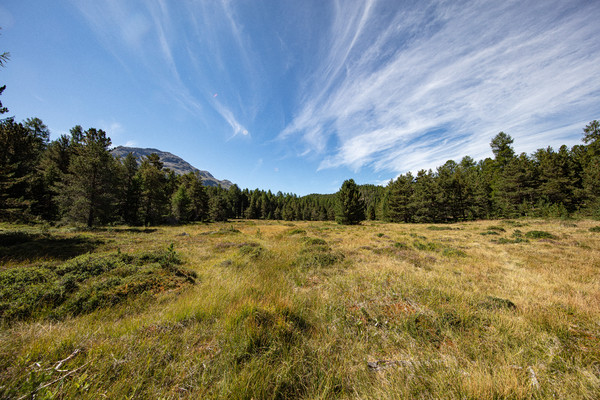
column 171, row 161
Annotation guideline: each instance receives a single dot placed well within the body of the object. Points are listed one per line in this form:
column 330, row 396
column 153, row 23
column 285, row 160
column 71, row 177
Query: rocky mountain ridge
column 171, row 161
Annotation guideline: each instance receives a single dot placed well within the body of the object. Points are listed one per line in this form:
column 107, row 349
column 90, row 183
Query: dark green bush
column 85, row 283
column 540, row 235
column 252, row 250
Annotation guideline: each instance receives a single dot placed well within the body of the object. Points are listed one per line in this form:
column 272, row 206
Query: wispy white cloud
column 405, row 89
column 238, row 129
column 166, row 40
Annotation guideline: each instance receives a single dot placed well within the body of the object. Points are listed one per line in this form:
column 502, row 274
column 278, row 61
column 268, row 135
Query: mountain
column 171, row 161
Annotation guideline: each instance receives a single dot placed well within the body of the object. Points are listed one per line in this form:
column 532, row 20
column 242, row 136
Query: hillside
column 173, row 162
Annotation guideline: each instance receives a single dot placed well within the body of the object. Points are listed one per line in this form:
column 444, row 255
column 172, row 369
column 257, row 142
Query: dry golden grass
column 319, row 310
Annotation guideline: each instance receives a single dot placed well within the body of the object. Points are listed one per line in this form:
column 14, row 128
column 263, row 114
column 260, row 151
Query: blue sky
column 299, row 95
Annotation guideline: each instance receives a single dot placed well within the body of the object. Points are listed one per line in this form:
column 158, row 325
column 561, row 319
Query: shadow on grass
column 21, row 246
column 117, row 230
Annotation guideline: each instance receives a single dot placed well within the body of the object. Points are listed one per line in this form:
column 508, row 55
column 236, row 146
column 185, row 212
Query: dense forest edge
column 75, row 180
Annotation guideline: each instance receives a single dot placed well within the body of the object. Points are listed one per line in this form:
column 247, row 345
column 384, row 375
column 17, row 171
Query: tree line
column 547, row 183
column 75, row 179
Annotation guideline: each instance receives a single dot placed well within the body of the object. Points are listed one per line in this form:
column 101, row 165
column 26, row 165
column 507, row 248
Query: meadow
column 506, row 309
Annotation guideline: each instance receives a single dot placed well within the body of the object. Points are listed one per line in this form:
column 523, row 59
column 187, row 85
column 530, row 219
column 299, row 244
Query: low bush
column 86, row 283
column 540, row 235
column 252, row 250
column 318, row 258
column 317, row 254
column 426, row 246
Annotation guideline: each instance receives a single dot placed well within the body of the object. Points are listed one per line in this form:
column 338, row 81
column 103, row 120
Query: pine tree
column 87, row 192
column 515, row 188
column 154, row 204
column 130, row 193
column 424, row 205
column 558, row 183
column 591, row 167
column 501, row 147
column 235, row 198
column 350, row 207
column 217, row 207
column 21, row 146
column 181, row 205
column 591, row 136
column 198, row 196
column 399, row 199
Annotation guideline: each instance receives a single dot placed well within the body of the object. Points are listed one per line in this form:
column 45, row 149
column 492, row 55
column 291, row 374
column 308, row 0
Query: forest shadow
column 22, row 246
column 117, row 230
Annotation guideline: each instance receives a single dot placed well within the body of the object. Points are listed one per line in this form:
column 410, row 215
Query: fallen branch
column 61, row 362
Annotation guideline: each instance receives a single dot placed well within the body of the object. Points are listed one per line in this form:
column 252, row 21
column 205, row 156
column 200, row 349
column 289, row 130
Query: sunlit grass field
column 315, row 310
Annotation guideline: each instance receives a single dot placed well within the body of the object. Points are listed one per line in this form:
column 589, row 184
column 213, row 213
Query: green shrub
column 85, row 283
column 595, row 229
column 452, row 252
column 318, row 258
column 252, row 250
column 540, row 235
column 317, row 254
column 426, row 246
